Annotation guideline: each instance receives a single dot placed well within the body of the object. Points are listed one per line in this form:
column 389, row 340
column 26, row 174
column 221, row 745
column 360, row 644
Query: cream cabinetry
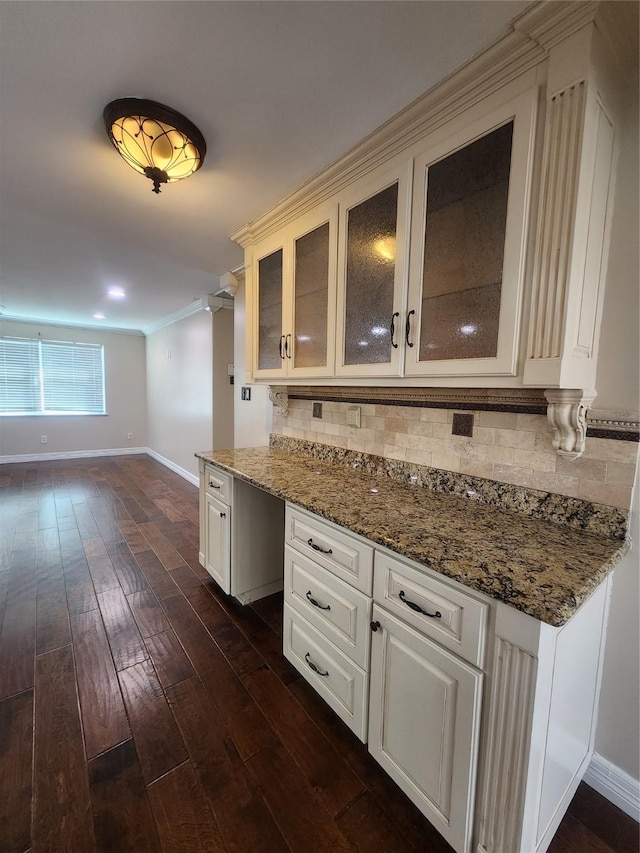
column 326, row 618
column 294, row 308
column 424, row 724
column 241, row 535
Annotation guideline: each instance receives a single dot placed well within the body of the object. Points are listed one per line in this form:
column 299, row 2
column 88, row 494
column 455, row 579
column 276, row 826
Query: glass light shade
column 154, row 139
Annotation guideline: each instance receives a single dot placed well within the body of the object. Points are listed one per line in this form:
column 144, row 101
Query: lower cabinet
column 218, row 542
column 424, row 720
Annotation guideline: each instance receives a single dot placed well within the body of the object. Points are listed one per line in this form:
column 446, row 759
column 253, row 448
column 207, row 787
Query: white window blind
column 51, row 377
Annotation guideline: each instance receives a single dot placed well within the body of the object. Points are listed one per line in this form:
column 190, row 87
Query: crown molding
column 30, row 321
column 193, row 308
column 526, row 44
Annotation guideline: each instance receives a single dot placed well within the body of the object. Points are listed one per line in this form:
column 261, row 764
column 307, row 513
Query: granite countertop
column 543, row 569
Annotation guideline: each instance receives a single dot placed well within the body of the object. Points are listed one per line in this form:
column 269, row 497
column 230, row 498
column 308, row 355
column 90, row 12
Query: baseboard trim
column 191, row 478
column 87, row 454
column 72, row 454
column 615, row 784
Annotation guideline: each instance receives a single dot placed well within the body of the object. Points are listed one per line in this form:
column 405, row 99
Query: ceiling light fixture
column 154, row 139
column 116, row 293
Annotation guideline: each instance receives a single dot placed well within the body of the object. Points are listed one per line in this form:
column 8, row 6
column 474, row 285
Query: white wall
column 179, row 390
column 252, row 418
column 124, row 358
column 222, row 422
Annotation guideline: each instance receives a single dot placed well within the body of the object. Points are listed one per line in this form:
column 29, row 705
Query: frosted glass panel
column 311, row 298
column 464, row 248
column 270, row 310
column 371, row 254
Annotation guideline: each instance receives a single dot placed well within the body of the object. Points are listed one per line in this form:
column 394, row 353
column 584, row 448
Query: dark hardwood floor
column 141, row 709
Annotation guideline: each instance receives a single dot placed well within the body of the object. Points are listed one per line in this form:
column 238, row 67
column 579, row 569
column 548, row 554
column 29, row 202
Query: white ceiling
column 278, row 89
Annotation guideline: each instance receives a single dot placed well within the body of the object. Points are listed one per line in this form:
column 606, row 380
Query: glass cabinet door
column 271, row 340
column 468, row 241
column 313, row 301
column 372, row 264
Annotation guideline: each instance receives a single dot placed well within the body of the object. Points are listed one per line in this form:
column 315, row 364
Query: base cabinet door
column 424, row 719
column 218, row 542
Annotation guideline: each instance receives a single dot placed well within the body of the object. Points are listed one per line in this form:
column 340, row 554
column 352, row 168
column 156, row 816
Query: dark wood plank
column 147, row 612
column 369, row 830
column 602, row 818
column 129, row 529
column 270, row 611
column 125, row 642
column 300, row 815
column 334, row 782
column 183, row 816
column 630, row 837
column 49, row 563
column 158, row 578
column 169, row 659
column 62, row 808
column 104, row 720
column 18, row 637
column 248, row 728
column 574, row 837
column 52, row 617
column 269, row 646
column 122, row 816
column 129, row 573
column 161, row 546
column 235, row 646
column 87, row 526
column 81, row 595
column 157, row 739
column 244, row 821
column 16, row 738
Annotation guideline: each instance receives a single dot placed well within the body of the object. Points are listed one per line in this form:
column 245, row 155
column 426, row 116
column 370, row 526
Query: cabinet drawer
column 347, row 556
column 340, row 682
column 217, row 483
column 412, row 594
column 337, row 610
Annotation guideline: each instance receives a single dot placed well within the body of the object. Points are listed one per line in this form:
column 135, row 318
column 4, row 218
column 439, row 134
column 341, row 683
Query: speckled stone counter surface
column 544, row 569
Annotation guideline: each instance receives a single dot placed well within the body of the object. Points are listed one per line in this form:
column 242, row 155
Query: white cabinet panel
column 340, row 682
column 218, row 542
column 424, row 720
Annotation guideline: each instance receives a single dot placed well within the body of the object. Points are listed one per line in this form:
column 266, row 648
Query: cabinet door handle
column 223, row 515
column 287, row 340
column 407, row 330
column 212, row 485
column 316, row 604
column 280, row 353
column 374, row 626
column 392, row 329
column 318, row 548
column 312, row 665
column 417, row 607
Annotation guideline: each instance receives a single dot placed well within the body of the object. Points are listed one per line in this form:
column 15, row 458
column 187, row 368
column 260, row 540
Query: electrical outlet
column 129, row 435
column 43, row 439
column 317, row 410
column 353, row 416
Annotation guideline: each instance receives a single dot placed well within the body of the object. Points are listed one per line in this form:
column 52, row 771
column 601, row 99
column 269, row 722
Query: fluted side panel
column 563, row 143
column 509, row 728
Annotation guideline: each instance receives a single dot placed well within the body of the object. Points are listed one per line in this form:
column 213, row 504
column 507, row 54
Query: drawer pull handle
column 316, row 604
column 374, row 626
column 212, row 485
column 417, row 607
column 318, row 548
column 312, row 665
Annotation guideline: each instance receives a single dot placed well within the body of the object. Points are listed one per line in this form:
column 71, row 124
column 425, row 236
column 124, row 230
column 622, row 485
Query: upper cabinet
column 465, row 241
column 294, row 309
column 468, row 244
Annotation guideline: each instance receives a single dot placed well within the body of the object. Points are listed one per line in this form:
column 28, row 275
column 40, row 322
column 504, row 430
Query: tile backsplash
column 506, row 447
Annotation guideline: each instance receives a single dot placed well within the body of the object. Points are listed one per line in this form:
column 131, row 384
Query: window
column 51, row 377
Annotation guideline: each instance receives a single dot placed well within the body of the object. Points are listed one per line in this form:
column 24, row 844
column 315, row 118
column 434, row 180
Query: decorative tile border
column 575, row 513
column 623, row 426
